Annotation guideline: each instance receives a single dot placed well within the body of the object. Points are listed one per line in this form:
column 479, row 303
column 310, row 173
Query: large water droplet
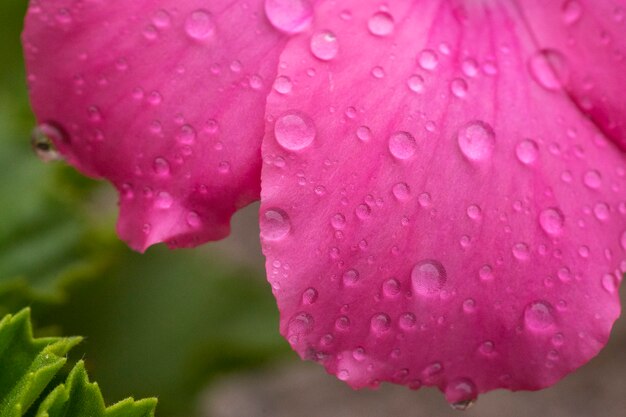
column 551, row 221
column 402, row 145
column 199, row 25
column 477, row 140
column 275, row 224
column 294, row 130
column 324, row 45
column 350, row 277
column 299, row 325
column 549, row 69
column 42, row 141
column 538, row 315
column 428, row 277
column 289, row 16
column 381, row 24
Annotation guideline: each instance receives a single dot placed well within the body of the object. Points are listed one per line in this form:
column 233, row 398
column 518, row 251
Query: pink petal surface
column 164, row 98
column 431, row 214
column 585, row 41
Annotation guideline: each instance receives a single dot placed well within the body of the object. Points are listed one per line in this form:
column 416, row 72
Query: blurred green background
column 163, row 324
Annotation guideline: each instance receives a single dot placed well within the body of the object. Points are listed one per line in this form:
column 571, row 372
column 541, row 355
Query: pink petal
column 164, row 98
column 585, row 41
column 430, row 214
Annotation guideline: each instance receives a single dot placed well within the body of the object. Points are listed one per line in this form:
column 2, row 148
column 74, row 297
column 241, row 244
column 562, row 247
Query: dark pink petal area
column 585, row 44
column 431, row 214
column 164, row 98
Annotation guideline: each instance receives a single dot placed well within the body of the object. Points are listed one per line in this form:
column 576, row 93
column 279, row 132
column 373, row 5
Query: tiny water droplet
column 380, row 323
column 428, row 59
column 527, row 151
column 548, row 68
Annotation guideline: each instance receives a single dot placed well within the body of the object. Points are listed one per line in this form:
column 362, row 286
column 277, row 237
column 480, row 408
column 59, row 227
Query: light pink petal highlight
column 585, row 41
column 431, row 215
column 164, row 98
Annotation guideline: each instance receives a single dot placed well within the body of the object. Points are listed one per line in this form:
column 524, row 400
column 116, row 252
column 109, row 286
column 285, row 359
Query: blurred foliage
column 162, row 324
column 28, row 367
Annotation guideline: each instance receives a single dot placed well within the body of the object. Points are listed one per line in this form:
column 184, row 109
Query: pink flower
column 443, row 182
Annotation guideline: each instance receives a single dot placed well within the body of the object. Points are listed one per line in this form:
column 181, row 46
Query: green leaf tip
column 27, row 365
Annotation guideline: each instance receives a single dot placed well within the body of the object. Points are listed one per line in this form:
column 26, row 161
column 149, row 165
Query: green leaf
column 28, row 365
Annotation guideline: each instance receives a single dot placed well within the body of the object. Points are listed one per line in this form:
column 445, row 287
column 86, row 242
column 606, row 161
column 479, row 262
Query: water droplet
column 428, row 59
column 338, row 221
column 428, row 277
column 610, row 283
column 363, row 133
column 363, row 211
column 474, row 212
column 299, row 325
column 381, row 24
column 342, row 323
column 309, row 296
column 486, row 273
column 283, row 85
column 551, row 221
column 538, row 315
column 521, row 252
column 359, row 354
column 527, row 151
column 592, row 179
column 42, row 140
column 294, row 130
column 194, row 220
column 469, row 305
column 407, row 321
column 461, row 393
column 486, row 348
column 186, row 135
column 161, row 166
column 601, row 211
column 477, row 141
column 432, row 369
column 424, row 199
column 458, row 86
column 380, row 323
column 199, row 25
column 401, row 191
column 402, row 145
column 416, row 83
column 163, row 200
column 391, row 287
column 572, row 11
column 350, row 277
column 324, row 45
column 289, row 16
column 549, row 69
column 275, row 224
column 162, row 19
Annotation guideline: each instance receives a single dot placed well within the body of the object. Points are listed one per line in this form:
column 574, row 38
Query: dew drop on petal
column 275, row 224
column 363, row 133
column 428, row 59
column 527, row 151
column 551, row 221
column 283, row 85
column 610, row 283
column 476, row 140
column 380, row 24
column 592, row 179
column 428, row 277
column 549, row 69
column 199, row 25
column 380, row 323
column 42, row 141
column 401, row 191
column 294, row 130
column 324, row 45
column 289, row 16
column 461, row 393
column 572, row 11
column 538, row 315
column 402, row 145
